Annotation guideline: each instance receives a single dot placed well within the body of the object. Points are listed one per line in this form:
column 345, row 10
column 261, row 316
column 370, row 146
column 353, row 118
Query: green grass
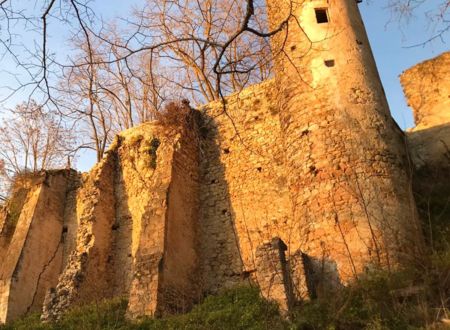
column 239, row 308
column 367, row 304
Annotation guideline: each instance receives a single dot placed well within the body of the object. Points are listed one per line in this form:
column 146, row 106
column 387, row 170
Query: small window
column 321, row 15
column 329, row 63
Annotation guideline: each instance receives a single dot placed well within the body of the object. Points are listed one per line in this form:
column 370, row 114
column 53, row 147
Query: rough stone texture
column 345, row 156
column 180, row 274
column 85, row 275
column 273, row 274
column 311, row 158
column 135, row 219
column 244, row 197
column 3, row 217
column 11, row 211
column 34, row 255
column 163, row 205
column 302, row 278
column 427, row 89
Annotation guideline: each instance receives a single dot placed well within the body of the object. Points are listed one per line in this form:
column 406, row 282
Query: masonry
column 298, row 185
column 427, row 90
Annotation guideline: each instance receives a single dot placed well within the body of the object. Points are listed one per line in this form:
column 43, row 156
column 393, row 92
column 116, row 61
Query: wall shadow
column 219, row 251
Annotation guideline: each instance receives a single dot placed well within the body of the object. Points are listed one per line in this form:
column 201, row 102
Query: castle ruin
column 302, row 187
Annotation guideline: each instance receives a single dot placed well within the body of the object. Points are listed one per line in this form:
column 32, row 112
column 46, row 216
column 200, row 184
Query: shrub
column 175, row 114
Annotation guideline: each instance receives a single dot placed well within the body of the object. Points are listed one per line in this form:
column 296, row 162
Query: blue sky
column 389, row 43
column 393, row 54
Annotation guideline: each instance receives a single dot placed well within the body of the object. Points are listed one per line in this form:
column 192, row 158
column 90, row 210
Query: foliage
column 239, row 308
column 369, row 303
column 154, row 145
column 17, row 194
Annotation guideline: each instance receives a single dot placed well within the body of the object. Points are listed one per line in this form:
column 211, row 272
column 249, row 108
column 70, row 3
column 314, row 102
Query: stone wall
column 34, row 255
column 273, row 275
column 244, row 197
column 345, row 156
column 427, row 89
column 145, row 158
column 10, row 214
column 135, row 219
column 85, row 275
column 299, row 184
column 180, row 285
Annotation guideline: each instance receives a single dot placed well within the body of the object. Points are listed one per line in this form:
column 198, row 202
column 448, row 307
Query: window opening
column 329, row 63
column 321, row 15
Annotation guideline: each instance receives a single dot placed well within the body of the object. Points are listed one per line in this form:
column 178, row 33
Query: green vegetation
column 240, row 308
column 16, row 202
column 154, row 145
column 372, row 303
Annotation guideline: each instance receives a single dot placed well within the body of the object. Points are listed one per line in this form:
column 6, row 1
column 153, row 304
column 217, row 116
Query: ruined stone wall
column 158, row 197
column 34, row 256
column 84, row 278
column 10, row 214
column 70, row 228
column 146, row 162
column 244, row 197
column 3, row 218
column 145, row 159
column 135, row 219
column 427, row 89
column 299, row 183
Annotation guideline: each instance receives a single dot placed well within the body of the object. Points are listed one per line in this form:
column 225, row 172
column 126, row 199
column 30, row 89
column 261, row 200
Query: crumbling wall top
column 427, row 89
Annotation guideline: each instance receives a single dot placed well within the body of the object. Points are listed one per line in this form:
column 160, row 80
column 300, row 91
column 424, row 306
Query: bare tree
column 213, row 47
column 103, row 95
column 25, row 41
column 203, row 49
column 117, row 78
column 210, row 48
column 436, row 13
column 33, row 140
column 81, row 100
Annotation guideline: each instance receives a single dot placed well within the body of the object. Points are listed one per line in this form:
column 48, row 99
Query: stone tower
column 346, row 158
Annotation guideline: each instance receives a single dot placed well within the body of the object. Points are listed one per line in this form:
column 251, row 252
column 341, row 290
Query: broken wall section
column 85, row 277
column 135, row 216
column 273, row 276
column 427, row 89
column 159, row 189
column 10, row 212
column 145, row 162
column 33, row 259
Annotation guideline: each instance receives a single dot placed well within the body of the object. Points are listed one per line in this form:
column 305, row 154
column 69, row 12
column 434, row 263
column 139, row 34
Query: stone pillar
column 302, row 278
column 272, row 274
